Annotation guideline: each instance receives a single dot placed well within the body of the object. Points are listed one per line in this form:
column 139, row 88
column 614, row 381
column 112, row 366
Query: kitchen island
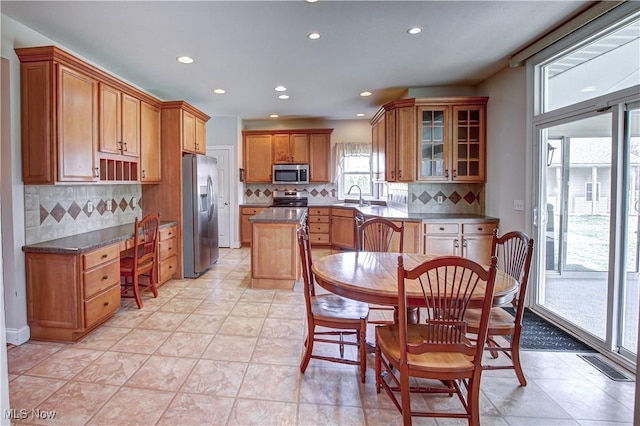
column 275, row 263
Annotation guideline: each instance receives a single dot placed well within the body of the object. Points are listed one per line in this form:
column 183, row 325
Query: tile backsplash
column 263, row 193
column 59, row 211
column 446, row 198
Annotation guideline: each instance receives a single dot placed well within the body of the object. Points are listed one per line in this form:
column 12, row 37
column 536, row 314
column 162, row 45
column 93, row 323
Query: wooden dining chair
column 376, row 235
column 436, row 348
column 344, row 317
column 514, row 251
column 141, row 260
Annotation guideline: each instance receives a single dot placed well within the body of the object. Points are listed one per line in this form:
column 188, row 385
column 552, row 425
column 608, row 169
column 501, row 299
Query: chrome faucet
column 360, row 201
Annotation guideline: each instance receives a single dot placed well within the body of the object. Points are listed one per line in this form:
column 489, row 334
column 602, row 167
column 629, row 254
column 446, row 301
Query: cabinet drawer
column 167, row 248
column 478, row 228
column 342, row 212
column 102, row 255
column 318, row 219
column 101, row 306
column 442, row 228
column 318, row 211
column 101, row 278
column 167, row 233
column 319, row 238
column 168, row 268
column 251, row 210
column 319, row 228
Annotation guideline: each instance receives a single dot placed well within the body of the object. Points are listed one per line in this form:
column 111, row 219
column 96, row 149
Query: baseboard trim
column 18, row 336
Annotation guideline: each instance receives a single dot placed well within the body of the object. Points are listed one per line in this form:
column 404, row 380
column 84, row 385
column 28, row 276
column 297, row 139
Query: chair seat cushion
column 126, row 265
column 331, row 307
column 388, row 338
column 500, row 321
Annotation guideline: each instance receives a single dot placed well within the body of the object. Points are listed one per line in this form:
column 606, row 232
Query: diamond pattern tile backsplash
column 263, row 194
column 446, row 198
column 59, row 211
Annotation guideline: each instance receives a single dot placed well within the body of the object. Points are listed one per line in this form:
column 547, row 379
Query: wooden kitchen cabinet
column 412, row 238
column 119, row 122
column 320, row 158
column 68, row 295
column 451, row 140
column 343, row 233
column 471, row 240
column 167, row 254
column 245, row 225
column 166, row 198
column 290, row 148
column 318, row 220
column 257, row 151
column 263, row 148
column 150, row 157
column 400, row 143
column 193, row 133
column 79, row 123
column 59, row 121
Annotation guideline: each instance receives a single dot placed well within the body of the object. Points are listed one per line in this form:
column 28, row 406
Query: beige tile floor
column 213, row 351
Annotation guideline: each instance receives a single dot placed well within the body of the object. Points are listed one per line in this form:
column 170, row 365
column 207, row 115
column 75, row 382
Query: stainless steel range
column 290, row 198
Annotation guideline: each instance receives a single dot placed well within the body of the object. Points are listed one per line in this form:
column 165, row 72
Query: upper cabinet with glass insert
column 430, row 139
column 451, row 139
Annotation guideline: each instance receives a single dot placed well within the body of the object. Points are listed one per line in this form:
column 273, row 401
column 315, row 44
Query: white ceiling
column 249, row 47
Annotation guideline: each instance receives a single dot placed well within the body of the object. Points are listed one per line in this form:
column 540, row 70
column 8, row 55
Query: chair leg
column 473, row 398
column 152, row 283
column 136, row 291
column 405, row 395
column 307, row 353
column 515, row 357
column 362, row 346
column 492, row 344
column 378, row 364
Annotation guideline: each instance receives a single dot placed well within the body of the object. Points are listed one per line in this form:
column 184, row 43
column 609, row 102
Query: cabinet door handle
column 446, row 173
column 399, row 173
column 143, row 174
column 125, row 146
column 106, row 303
column 441, row 228
column 457, row 243
column 464, row 243
column 455, row 173
column 105, row 277
column 104, row 256
column 97, row 173
column 480, row 228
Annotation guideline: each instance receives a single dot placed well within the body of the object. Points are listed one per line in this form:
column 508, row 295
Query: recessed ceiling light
column 311, row 1
column 284, row 96
column 184, row 59
column 219, row 91
column 359, row 114
column 363, row 94
column 314, row 36
column 280, row 88
column 274, row 116
column 414, row 30
column 589, row 89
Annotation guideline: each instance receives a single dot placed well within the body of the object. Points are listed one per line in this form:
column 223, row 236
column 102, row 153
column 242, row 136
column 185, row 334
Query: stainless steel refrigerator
column 200, row 212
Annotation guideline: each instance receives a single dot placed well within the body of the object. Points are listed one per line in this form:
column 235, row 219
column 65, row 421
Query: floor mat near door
column 540, row 335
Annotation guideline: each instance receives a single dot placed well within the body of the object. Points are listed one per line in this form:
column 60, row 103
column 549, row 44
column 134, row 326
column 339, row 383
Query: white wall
column 506, row 147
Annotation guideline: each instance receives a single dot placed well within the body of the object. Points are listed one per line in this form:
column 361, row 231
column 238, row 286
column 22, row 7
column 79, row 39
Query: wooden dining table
column 373, row 278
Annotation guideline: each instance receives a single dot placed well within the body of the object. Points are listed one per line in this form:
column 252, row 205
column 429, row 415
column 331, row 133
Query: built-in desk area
column 73, row 283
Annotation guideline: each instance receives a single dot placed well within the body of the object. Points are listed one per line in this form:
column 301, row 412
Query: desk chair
column 142, row 259
column 514, row 251
column 343, row 316
column 377, row 234
column 437, row 348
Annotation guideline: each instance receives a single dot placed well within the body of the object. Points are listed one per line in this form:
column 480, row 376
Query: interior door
column 224, row 185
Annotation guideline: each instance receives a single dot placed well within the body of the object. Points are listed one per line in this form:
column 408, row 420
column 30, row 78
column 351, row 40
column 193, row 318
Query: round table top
column 373, row 278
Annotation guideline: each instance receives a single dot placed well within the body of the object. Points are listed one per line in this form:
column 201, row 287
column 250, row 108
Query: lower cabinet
column 167, row 254
column 245, row 225
column 470, row 240
column 412, row 238
column 68, row 295
column 343, row 234
column 318, row 220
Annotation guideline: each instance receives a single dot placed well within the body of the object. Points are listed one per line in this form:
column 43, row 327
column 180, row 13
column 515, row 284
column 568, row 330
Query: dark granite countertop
column 280, row 215
column 87, row 241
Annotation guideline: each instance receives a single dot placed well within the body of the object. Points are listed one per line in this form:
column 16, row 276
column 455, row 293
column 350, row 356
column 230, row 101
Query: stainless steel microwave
column 290, row 173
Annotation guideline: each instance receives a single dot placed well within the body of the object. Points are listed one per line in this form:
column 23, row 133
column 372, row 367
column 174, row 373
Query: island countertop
column 87, row 241
column 280, row 215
